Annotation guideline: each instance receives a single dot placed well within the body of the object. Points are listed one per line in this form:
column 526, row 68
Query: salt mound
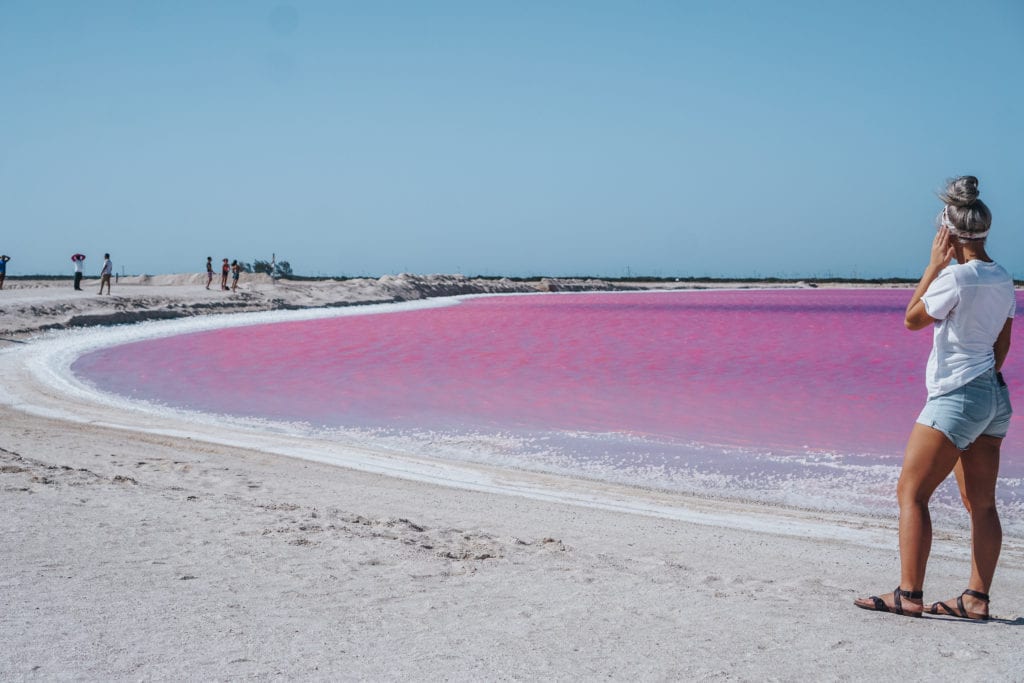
column 179, row 279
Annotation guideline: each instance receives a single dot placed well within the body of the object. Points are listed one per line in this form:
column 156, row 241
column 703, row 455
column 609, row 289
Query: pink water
column 789, row 370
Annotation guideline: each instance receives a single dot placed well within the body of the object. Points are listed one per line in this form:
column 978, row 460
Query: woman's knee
column 981, row 506
column 912, row 492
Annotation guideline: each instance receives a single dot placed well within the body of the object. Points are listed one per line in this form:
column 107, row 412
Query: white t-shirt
column 971, row 301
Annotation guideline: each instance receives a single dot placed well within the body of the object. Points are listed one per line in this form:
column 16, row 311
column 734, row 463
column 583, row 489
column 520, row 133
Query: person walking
column 78, row 260
column 108, row 270
column 4, row 258
column 970, row 306
column 209, row 271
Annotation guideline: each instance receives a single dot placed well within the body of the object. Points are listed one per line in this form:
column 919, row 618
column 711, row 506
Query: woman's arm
column 917, row 317
column 1002, row 345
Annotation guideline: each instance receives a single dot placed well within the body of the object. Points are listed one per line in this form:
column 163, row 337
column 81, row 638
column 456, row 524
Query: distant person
column 78, row 260
column 224, row 270
column 235, row 270
column 4, row 258
column 209, row 271
column 108, row 270
column 970, row 306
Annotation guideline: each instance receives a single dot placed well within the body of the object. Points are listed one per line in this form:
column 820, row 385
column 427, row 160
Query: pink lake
column 787, row 371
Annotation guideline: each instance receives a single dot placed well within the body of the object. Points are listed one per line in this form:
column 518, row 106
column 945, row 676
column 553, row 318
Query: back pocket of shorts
column 978, row 401
column 1004, row 399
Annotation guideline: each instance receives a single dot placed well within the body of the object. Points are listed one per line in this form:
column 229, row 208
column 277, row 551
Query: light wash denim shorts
column 979, row 408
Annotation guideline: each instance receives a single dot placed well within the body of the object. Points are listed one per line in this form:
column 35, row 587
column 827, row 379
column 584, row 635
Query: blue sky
column 734, row 138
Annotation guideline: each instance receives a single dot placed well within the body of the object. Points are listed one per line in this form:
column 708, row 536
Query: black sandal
column 961, row 611
column 878, row 604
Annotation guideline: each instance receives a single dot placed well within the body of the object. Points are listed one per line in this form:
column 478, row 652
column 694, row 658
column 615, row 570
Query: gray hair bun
column 965, row 215
column 962, row 191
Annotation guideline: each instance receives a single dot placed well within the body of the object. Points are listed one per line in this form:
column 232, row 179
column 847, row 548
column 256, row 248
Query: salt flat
column 143, row 548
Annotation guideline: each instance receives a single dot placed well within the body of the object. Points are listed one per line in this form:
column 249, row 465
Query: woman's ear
column 958, row 249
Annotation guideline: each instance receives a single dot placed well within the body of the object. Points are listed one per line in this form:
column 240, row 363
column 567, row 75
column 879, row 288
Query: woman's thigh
column 979, row 471
column 929, row 458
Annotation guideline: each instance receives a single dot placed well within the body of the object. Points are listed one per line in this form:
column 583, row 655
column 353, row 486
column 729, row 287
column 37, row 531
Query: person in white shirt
column 78, row 260
column 970, row 306
column 108, row 269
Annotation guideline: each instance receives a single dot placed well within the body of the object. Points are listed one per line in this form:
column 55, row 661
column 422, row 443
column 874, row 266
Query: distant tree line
column 278, row 269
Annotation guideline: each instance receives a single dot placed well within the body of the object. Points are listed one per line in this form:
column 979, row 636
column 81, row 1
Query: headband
column 948, row 225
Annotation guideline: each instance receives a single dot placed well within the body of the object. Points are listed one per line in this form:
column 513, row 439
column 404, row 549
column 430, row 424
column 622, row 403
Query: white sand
column 136, row 546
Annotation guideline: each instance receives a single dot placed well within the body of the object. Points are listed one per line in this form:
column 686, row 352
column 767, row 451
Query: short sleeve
column 942, row 295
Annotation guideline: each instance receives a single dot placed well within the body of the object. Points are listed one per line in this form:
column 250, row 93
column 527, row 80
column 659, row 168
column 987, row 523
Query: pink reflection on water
column 825, row 369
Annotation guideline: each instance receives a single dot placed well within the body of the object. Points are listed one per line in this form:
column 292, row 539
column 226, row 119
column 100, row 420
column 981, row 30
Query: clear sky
column 670, row 138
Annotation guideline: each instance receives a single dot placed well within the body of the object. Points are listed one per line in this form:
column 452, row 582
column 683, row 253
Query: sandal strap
column 897, row 598
column 976, row 594
column 946, row 610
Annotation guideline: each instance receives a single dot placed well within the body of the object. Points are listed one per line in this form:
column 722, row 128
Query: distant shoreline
column 31, row 305
column 538, row 278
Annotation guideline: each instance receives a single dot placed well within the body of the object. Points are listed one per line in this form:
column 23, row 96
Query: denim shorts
column 979, row 408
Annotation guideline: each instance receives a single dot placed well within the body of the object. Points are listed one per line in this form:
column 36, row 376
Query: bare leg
column 927, row 461
column 976, row 475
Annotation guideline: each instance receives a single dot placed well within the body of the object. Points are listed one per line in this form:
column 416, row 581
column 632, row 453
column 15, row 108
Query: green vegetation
column 279, row 269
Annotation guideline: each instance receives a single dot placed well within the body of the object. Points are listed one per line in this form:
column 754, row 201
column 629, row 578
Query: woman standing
column 235, row 270
column 971, row 306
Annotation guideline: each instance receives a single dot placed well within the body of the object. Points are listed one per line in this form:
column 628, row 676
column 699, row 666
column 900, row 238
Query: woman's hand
column 942, row 250
column 942, row 253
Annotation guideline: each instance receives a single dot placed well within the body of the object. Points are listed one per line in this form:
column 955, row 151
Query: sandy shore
column 141, row 548
column 29, row 306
